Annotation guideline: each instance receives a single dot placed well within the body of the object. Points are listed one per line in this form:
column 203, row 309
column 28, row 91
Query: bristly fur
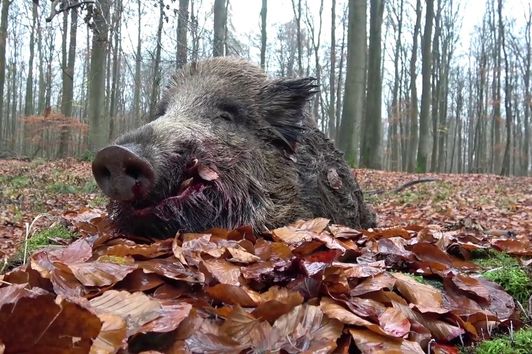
column 273, row 163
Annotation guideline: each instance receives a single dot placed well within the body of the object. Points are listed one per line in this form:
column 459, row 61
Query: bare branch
column 59, row 6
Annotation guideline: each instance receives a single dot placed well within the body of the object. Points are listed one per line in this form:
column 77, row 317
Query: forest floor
column 41, row 192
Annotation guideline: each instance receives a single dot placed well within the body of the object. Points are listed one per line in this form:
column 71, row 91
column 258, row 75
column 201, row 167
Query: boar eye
column 226, row 116
column 228, row 111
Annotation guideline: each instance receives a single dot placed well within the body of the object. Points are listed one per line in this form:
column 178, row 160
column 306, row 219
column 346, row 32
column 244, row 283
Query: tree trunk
column 154, row 97
column 413, row 111
column 505, row 170
column 138, row 62
column 426, row 60
column 395, row 111
column 296, row 7
column 28, row 101
column 182, row 22
column 98, row 124
column 354, row 92
column 115, row 68
column 3, row 39
column 263, row 24
column 332, row 75
column 436, row 86
column 68, row 81
column 371, row 143
column 220, row 19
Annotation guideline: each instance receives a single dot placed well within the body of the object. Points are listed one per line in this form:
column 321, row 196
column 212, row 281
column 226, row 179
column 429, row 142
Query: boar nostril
column 122, row 174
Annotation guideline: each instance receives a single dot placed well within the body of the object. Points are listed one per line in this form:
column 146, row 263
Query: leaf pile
column 310, row 287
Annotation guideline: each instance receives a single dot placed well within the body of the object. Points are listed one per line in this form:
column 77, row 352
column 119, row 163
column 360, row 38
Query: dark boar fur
column 231, row 147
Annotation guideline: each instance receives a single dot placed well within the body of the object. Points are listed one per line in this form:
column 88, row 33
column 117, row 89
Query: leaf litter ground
column 307, row 287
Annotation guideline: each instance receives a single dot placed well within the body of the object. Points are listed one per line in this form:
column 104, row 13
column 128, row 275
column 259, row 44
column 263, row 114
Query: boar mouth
column 196, row 177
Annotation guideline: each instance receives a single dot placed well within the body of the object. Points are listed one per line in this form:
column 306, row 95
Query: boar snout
column 122, row 174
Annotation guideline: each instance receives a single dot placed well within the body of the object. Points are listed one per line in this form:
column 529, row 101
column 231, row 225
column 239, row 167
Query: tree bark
column 138, row 62
column 413, row 111
column 220, row 19
column 182, row 22
column 354, row 92
column 426, row 60
column 3, row 39
column 332, row 75
column 156, row 65
column 68, row 81
column 395, row 111
column 263, row 33
column 371, row 132
column 98, row 122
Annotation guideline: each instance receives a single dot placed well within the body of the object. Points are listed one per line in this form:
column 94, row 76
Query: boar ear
column 284, row 104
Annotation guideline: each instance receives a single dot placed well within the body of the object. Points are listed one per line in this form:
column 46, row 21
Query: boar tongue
column 206, row 173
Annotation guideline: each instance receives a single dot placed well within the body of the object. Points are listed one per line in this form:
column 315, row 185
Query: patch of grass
column 62, row 188
column 37, row 241
column 42, row 238
column 15, row 182
column 521, row 343
column 98, row 201
column 87, row 156
column 89, row 187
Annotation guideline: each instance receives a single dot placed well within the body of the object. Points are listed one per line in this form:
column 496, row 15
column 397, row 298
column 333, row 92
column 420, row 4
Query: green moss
column 514, row 280
column 521, row 343
column 489, row 259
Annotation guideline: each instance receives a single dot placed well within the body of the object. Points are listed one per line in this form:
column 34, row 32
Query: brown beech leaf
column 240, row 255
column 172, row 313
column 394, row 322
column 135, row 308
column 12, row 293
column 100, row 273
column 388, row 232
column 425, row 297
column 516, row 247
column 306, row 327
column 65, row 283
column 248, row 330
column 200, row 342
column 112, row 335
column 27, row 276
column 152, row 250
column 365, row 307
column 472, row 286
column 77, row 252
column 340, row 231
column 276, row 302
column 353, row 270
column 371, row 342
column 501, row 303
column 394, row 327
column 44, row 324
column 292, row 235
column 138, row 280
column 170, row 268
column 316, row 225
column 223, row 271
column 231, row 294
column 375, row 283
column 440, row 330
column 432, row 254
